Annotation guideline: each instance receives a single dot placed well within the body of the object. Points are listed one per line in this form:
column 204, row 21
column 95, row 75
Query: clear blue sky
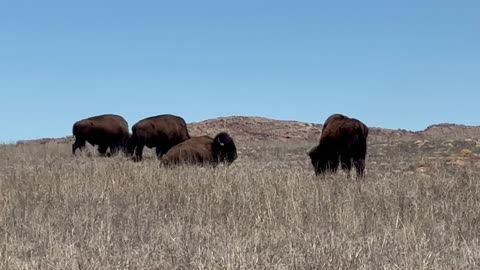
column 395, row 64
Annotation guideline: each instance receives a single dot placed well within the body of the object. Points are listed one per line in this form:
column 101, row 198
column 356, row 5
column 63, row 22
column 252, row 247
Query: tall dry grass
column 266, row 211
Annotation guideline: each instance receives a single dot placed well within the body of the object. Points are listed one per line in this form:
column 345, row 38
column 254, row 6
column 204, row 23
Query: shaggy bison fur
column 203, row 150
column 106, row 131
column 343, row 142
column 162, row 132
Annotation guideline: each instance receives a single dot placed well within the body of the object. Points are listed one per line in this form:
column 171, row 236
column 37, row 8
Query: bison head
column 224, row 149
column 322, row 160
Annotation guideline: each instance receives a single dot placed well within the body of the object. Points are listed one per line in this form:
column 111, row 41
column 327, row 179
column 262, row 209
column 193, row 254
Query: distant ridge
column 253, row 128
column 452, row 131
column 257, row 129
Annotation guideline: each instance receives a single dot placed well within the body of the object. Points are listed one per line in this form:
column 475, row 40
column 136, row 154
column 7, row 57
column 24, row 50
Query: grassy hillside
column 418, row 208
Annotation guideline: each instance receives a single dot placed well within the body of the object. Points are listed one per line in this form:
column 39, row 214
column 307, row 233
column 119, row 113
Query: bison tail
column 75, row 130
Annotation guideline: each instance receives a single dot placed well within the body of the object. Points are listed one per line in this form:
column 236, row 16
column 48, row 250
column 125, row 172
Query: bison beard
column 343, row 142
column 203, row 150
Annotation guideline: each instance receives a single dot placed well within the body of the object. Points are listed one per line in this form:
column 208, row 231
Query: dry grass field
column 418, row 208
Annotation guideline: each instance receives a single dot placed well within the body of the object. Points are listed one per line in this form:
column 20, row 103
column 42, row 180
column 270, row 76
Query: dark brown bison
column 162, row 132
column 203, row 150
column 343, row 142
column 106, row 131
column 332, row 118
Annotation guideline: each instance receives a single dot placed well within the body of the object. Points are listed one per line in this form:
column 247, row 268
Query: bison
column 106, row 131
column 203, row 150
column 162, row 132
column 343, row 141
column 333, row 118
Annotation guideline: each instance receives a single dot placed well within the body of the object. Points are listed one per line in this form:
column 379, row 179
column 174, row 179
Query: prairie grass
column 266, row 211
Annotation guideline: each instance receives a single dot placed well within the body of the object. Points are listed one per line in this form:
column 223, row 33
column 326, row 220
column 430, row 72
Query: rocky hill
column 255, row 129
column 264, row 129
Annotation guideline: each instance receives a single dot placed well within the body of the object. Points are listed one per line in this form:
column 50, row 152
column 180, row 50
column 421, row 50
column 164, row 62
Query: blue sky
column 395, row 64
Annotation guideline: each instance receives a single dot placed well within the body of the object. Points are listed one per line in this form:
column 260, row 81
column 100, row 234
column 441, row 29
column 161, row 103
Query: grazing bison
column 203, row 150
column 106, row 131
column 162, row 132
column 343, row 141
column 332, row 118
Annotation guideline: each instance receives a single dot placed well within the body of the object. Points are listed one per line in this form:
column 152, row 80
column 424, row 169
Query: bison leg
column 102, row 149
column 74, row 147
column 159, row 152
column 360, row 167
column 333, row 166
column 138, row 152
column 78, row 144
column 346, row 164
column 130, row 146
column 115, row 148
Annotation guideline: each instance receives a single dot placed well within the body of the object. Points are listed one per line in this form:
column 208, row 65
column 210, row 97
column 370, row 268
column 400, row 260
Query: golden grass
column 266, row 211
